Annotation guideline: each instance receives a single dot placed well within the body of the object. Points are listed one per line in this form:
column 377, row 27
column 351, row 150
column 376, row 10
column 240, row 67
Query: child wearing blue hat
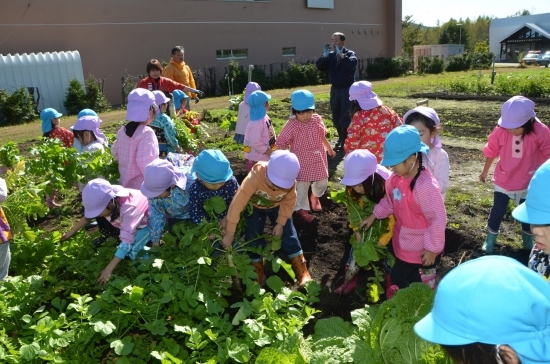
column 490, row 310
column 214, row 178
column 521, row 143
column 259, row 137
column 164, row 127
column 305, row 134
column 536, row 212
column 414, row 199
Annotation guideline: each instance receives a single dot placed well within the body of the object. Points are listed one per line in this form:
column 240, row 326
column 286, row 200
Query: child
column 179, row 101
column 536, row 211
column 136, row 144
column 490, row 310
column 426, row 121
column 522, row 144
column 164, row 127
column 90, row 138
column 243, row 117
column 51, row 129
column 305, row 133
column 214, row 178
column 82, row 113
column 259, row 137
column 415, row 201
column 271, row 187
column 155, row 81
column 166, row 189
column 5, row 234
column 371, row 121
column 363, row 177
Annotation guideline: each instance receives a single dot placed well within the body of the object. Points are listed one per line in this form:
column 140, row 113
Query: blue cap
column 46, row 116
column 178, row 95
column 257, row 101
column 302, row 100
column 86, row 112
column 212, row 166
column 400, row 144
column 536, row 208
column 492, row 300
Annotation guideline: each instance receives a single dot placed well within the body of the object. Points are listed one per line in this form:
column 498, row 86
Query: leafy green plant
column 9, row 154
column 17, row 107
column 95, row 98
column 75, row 97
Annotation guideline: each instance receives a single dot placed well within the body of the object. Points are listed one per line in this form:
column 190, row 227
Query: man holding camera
column 340, row 63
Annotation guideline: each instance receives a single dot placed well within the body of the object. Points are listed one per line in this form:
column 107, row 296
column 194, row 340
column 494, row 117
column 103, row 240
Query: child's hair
column 428, row 123
column 374, row 190
column 354, row 107
column 474, row 353
column 47, row 134
column 420, row 169
column 115, row 208
column 294, row 111
column 154, row 64
column 528, row 127
column 79, row 134
column 131, row 127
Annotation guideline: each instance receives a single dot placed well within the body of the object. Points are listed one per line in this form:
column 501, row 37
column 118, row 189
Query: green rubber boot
column 489, row 244
column 527, row 240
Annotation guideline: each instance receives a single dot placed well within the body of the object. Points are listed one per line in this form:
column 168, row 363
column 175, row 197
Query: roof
column 516, row 21
column 534, row 27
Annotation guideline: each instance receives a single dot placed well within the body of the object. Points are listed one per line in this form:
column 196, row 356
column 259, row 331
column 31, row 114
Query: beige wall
column 118, row 37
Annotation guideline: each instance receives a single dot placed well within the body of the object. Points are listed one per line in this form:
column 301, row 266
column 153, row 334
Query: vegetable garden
column 179, row 304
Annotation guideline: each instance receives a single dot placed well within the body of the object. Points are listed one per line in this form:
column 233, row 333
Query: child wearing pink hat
column 259, row 137
column 305, row 134
column 136, row 144
column 243, row 117
column 126, row 209
column 167, row 191
column 271, row 187
column 164, row 127
column 522, row 144
column 5, row 234
column 363, row 176
column 371, row 120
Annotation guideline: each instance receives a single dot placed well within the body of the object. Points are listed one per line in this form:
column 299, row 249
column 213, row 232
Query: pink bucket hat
column 430, row 114
column 160, row 97
column 361, row 92
column 516, row 112
column 283, row 168
column 139, row 103
column 250, row 88
column 97, row 194
column 160, row 175
column 359, row 165
column 91, row 123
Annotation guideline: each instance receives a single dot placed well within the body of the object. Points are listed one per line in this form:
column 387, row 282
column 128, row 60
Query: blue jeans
column 500, row 206
column 339, row 105
column 255, row 224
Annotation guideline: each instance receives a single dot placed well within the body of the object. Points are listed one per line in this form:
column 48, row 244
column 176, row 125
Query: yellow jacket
column 180, row 72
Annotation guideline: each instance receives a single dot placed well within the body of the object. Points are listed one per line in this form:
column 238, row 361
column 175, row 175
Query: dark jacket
column 341, row 74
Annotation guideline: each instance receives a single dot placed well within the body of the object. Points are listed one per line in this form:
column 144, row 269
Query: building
column 117, row 38
column 437, row 50
column 508, row 37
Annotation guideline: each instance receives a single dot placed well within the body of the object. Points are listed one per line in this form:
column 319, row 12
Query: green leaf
column 103, row 327
column 136, row 294
column 157, row 327
column 124, row 346
column 29, row 352
column 239, row 353
column 275, row 283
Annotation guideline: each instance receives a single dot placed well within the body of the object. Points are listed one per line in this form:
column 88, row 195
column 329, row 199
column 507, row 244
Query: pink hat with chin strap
column 430, row 114
column 97, row 194
column 359, row 165
column 159, row 176
column 517, row 111
column 283, row 168
column 361, row 91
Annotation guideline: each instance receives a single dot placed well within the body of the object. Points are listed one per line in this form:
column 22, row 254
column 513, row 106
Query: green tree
column 523, row 12
column 412, row 35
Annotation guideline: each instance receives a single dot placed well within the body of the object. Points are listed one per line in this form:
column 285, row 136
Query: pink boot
column 315, row 203
column 428, row 277
column 390, row 287
column 347, row 287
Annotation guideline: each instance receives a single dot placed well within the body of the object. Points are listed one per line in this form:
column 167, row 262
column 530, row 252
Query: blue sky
column 428, row 12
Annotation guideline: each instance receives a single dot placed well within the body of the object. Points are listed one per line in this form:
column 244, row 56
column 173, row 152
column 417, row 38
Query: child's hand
column 358, row 237
column 427, row 257
column 331, row 152
column 278, row 230
column 366, row 224
column 483, row 176
column 65, row 236
column 227, row 240
column 223, row 224
column 104, row 276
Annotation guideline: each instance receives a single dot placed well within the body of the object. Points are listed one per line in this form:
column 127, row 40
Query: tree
column 524, row 12
column 412, row 35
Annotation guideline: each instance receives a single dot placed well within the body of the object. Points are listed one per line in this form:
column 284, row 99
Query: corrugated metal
column 501, row 28
column 50, row 72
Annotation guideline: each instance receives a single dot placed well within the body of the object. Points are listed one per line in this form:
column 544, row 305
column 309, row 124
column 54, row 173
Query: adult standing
column 340, row 63
column 178, row 71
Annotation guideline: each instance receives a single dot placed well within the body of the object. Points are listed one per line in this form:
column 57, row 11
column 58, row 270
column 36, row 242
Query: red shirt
column 65, row 135
column 162, row 84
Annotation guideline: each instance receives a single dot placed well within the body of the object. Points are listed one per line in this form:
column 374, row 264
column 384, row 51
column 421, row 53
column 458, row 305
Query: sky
column 428, row 12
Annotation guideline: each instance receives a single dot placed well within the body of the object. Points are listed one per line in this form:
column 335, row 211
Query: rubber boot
column 489, row 244
column 259, row 269
column 305, row 215
column 300, row 269
column 347, row 287
column 315, row 203
column 428, row 277
column 527, row 240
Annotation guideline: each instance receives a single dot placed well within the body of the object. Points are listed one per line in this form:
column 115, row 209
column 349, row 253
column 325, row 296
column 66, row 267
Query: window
column 231, row 54
column 289, row 51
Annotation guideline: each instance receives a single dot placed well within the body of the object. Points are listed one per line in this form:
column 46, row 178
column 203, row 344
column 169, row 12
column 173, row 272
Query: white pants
column 318, row 188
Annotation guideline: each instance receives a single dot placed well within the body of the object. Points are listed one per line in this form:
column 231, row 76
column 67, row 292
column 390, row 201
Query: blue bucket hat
column 492, row 300
column 178, row 95
column 257, row 101
column 212, row 166
column 302, row 100
column 46, row 116
column 536, row 208
column 400, row 144
column 86, row 112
